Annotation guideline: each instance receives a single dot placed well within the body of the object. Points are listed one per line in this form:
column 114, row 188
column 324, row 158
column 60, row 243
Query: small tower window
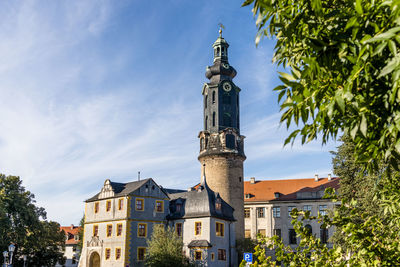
column 205, row 101
column 213, row 97
column 206, row 123
column 218, row 51
column 201, row 143
column 213, row 121
column 223, row 51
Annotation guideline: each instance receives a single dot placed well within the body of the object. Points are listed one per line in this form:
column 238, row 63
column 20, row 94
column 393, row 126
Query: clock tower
column 221, row 145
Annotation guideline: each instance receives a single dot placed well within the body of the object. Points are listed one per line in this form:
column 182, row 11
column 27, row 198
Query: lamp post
column 8, row 256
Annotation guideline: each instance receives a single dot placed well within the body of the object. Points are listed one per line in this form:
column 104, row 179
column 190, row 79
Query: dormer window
column 178, row 207
column 76, row 237
column 218, row 204
column 277, row 194
column 247, row 196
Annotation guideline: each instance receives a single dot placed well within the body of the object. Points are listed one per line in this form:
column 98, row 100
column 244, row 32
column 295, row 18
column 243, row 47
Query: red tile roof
column 265, row 190
column 71, row 231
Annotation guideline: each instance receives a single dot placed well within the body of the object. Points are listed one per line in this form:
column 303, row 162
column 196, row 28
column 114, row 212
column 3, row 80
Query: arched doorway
column 94, row 260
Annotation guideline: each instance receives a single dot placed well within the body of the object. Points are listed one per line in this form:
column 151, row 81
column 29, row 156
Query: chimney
column 138, row 176
column 316, row 178
column 277, row 194
column 252, row 180
column 329, row 177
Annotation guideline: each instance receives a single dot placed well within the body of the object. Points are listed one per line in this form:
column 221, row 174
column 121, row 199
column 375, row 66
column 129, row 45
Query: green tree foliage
column 344, row 63
column 373, row 242
column 165, row 248
column 245, row 245
column 79, row 246
column 23, row 223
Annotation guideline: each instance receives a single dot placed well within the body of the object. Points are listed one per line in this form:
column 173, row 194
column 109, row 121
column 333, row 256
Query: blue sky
column 91, row 90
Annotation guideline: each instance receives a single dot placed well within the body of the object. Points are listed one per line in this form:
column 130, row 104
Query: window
column 213, row 97
column 289, row 209
column 307, row 208
column 324, row 235
column 76, row 237
column 95, row 230
column 118, row 253
column 159, row 206
column 212, row 256
column 109, row 230
column 219, row 229
column 261, row 232
column 278, row 233
column 276, row 212
column 322, row 210
column 108, row 253
column 197, row 228
column 292, row 237
column 178, row 207
column 247, row 212
column 108, row 205
column 120, row 204
column 119, row 229
column 260, row 212
column 218, row 205
column 139, row 204
column 140, row 253
column 247, row 233
column 142, row 230
column 73, row 260
column 221, row 254
column 206, row 123
column 213, row 121
column 205, row 101
column 197, row 255
column 308, row 229
column 178, row 228
column 96, row 207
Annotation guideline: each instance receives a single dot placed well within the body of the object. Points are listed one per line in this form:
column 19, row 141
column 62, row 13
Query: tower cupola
column 220, row 48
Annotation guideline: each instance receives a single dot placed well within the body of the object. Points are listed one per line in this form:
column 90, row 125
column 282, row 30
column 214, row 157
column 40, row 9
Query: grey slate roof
column 122, row 189
column 199, row 203
column 199, row 243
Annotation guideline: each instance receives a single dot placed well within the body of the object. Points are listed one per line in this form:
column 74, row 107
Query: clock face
column 227, row 86
column 225, row 65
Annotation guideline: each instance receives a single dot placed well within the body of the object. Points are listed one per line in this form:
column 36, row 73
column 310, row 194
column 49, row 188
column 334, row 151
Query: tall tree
column 344, row 63
column 165, row 248
column 23, row 223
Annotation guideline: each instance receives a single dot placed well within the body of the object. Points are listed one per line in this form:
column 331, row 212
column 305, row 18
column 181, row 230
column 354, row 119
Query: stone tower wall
column 224, row 174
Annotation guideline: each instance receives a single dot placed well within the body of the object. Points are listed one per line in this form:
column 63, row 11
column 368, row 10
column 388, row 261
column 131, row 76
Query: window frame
column 322, row 209
column 195, row 255
column 307, row 208
column 276, row 231
column 95, row 230
column 120, row 204
column 181, row 229
column 96, row 207
column 141, row 200
column 292, row 237
column 197, row 233
column 276, row 212
column 162, row 206
column 222, row 255
column 116, row 253
column 109, row 230
column 145, row 230
column 246, row 212
column 262, row 213
column 108, row 205
column 107, row 257
column 144, row 253
column 117, row 233
column 221, row 227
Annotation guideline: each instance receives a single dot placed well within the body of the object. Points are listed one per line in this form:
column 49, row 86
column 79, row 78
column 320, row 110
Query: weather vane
column 221, row 26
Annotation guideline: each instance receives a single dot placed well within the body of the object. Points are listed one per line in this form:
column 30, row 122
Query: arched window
column 201, row 143
column 308, row 229
column 217, row 51
column 205, row 101
column 227, row 120
column 223, row 51
column 213, row 122
column 324, row 235
column 213, row 97
column 206, row 123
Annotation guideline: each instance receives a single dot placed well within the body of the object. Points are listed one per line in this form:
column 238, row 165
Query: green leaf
column 359, row 7
column 379, row 48
column 363, row 126
column 384, row 36
column 340, row 101
column 352, row 22
column 390, row 66
column 287, row 76
column 392, row 47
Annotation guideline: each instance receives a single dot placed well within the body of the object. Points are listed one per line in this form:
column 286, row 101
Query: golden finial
column 221, row 26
